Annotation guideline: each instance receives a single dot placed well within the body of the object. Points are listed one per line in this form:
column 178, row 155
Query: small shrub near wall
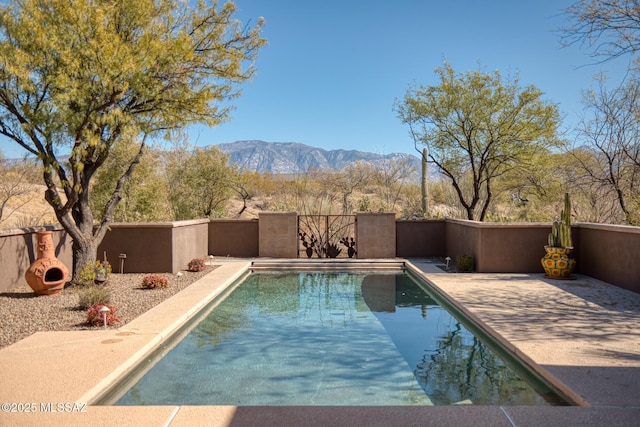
column 196, row 265
column 153, row 281
column 91, row 272
column 464, row 264
column 91, row 295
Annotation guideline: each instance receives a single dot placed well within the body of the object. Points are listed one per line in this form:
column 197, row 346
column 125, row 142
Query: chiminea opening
column 53, row 275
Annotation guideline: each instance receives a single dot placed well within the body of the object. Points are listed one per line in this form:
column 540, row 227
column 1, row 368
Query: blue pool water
column 331, row 339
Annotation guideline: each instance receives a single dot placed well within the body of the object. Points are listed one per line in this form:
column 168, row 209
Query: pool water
column 331, row 339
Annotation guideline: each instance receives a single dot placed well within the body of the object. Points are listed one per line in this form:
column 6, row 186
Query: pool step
column 326, row 264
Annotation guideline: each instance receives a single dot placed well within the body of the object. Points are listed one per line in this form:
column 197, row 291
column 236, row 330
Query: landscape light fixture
column 104, row 310
column 122, row 258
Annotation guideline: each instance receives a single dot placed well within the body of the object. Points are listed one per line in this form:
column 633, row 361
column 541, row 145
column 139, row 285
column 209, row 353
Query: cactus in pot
column 560, row 236
column 558, row 263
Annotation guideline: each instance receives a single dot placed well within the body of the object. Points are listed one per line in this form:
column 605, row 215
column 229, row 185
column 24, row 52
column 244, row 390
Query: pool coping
column 76, row 366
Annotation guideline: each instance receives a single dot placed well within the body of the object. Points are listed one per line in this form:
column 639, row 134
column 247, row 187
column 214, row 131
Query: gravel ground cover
column 22, row 313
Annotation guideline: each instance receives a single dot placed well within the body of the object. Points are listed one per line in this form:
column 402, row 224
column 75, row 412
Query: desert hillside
column 28, row 209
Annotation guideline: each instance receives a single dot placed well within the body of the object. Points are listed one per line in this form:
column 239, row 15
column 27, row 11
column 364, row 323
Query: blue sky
column 333, row 69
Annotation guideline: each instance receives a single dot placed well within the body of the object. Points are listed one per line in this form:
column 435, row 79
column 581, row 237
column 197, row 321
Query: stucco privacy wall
column 18, row 249
column 420, row 238
column 233, row 237
column 161, row 247
column 610, row 253
column 278, row 234
column 376, row 235
column 606, row 252
column 499, row 247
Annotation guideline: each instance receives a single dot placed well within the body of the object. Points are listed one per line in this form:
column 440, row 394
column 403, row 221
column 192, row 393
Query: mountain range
column 294, row 157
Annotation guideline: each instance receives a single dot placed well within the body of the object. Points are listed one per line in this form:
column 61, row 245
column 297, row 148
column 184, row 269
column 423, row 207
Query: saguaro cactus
column 425, row 154
column 560, row 236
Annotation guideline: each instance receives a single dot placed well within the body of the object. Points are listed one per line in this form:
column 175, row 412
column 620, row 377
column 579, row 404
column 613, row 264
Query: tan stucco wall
column 190, row 240
column 278, row 234
column 420, row 238
column 162, row 247
column 376, row 235
column 606, row 252
column 498, row 247
column 233, row 237
column 610, row 253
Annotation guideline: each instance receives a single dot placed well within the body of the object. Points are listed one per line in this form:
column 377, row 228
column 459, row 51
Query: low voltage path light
column 104, row 310
column 122, row 258
column 448, row 259
column 179, row 275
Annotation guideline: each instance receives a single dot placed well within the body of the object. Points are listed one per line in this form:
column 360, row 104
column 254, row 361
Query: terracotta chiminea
column 47, row 275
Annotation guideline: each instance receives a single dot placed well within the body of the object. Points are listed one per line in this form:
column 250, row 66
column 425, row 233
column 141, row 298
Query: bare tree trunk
column 487, row 201
column 84, row 253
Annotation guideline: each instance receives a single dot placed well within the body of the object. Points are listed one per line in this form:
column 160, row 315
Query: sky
column 333, row 69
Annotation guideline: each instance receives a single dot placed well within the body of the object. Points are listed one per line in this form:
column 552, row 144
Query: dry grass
column 28, row 210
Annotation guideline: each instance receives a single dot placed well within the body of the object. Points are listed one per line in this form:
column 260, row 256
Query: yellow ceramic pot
column 558, row 263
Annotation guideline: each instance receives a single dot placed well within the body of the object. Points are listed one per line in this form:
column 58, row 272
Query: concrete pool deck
column 585, row 333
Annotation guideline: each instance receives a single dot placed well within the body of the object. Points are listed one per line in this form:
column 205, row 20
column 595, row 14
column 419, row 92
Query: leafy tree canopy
column 200, row 182
column 478, row 126
column 79, row 77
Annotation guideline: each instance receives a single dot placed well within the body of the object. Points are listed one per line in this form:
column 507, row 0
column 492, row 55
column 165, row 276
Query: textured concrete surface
column 581, row 334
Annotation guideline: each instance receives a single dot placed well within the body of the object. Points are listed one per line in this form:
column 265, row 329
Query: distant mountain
column 293, row 157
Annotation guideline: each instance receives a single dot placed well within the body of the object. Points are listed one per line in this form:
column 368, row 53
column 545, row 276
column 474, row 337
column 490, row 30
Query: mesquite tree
column 78, row 78
column 477, row 127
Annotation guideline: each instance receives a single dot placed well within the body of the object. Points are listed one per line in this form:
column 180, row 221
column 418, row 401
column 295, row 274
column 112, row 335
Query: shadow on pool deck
column 584, row 332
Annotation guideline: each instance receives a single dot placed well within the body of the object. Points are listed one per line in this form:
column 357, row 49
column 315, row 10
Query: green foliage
column 200, row 182
column 464, row 264
column 93, row 294
column 153, row 281
column 477, row 127
column 87, row 275
column 79, row 77
column 144, row 196
column 364, row 204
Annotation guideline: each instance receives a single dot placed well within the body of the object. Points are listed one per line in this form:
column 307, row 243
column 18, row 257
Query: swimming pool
column 332, row 338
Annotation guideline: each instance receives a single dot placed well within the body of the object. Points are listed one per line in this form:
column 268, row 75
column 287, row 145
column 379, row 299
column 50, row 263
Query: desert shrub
column 153, row 281
column 87, row 275
column 96, row 318
column 196, row 264
column 464, row 264
column 91, row 295
column 364, row 204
